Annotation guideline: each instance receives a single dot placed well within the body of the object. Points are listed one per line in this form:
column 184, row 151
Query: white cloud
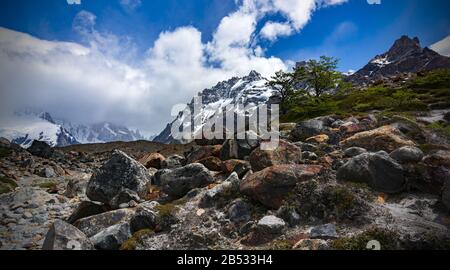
column 102, row 80
column 442, row 47
column 130, row 5
column 74, row 2
column 273, row 30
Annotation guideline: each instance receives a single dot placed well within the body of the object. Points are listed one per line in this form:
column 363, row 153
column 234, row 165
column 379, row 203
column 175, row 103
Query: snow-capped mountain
column 24, row 128
column 247, row 90
column 101, row 132
column 28, row 125
column 405, row 56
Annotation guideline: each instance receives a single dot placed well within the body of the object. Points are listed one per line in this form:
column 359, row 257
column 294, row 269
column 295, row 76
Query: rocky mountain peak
column 405, row 56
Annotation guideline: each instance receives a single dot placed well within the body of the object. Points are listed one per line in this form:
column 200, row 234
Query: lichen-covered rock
column 378, row 170
column 407, row 154
column 228, row 188
column 179, row 182
column 239, row 211
column 285, row 153
column 267, row 229
column 326, row 231
column 95, row 224
column 271, row 185
column 152, row 160
column 310, row 128
column 63, row 236
column 386, row 138
column 119, row 173
column 112, row 237
column 146, row 217
column 173, row 162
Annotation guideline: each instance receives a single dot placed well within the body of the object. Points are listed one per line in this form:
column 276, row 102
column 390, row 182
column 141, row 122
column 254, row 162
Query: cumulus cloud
column 102, row 79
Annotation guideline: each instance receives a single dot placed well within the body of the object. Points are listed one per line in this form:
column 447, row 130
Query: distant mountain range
column 27, row 125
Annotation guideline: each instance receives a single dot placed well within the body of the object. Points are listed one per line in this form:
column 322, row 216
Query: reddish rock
column 285, row 153
column 152, row 160
column 387, row 138
column 350, row 127
column 212, row 163
column 241, row 167
column 271, row 185
column 202, row 152
column 318, row 139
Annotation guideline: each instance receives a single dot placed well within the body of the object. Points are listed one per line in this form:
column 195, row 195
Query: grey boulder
column 179, row 182
column 121, row 172
column 408, row 154
column 63, row 236
column 378, row 170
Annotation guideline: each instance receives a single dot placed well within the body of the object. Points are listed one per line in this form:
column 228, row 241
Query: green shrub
column 7, row 185
column 387, row 239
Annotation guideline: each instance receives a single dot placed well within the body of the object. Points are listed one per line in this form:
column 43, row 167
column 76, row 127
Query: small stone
column 327, row 231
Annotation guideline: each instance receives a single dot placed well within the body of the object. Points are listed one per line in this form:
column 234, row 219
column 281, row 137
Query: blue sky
column 354, row 32
column 130, row 61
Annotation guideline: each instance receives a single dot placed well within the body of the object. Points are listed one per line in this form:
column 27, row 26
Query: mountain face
column 247, row 90
column 405, row 56
column 101, row 132
column 26, row 126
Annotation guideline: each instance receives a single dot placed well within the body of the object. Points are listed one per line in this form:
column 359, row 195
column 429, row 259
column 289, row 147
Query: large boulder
column 152, row 160
column 95, row 224
column 121, row 172
column 237, row 149
column 41, row 149
column 378, row 170
column 407, row 154
column 179, row 182
column 386, row 138
column 285, row 153
column 271, row 185
column 310, row 128
column 112, row 238
column 63, row 236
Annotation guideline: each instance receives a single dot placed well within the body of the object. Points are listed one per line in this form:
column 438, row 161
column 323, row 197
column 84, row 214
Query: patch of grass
column 166, row 210
column 7, row 185
column 440, row 128
column 387, row 239
column 132, row 243
column 282, row 245
column 47, row 185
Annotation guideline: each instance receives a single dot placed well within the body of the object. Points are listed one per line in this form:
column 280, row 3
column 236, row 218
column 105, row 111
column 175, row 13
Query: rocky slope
column 405, row 56
column 333, row 183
